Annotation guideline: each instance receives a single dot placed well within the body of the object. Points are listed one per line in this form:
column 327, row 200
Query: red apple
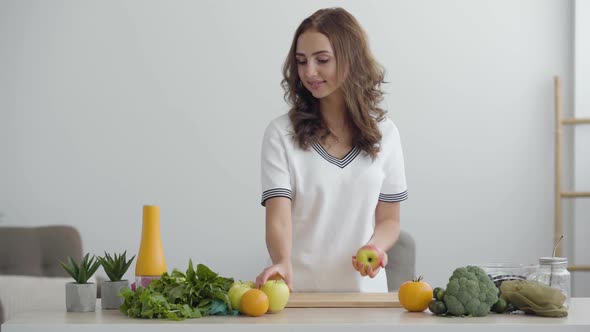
column 370, row 255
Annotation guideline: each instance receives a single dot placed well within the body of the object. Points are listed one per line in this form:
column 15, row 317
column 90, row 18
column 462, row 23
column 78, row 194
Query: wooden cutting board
column 343, row 300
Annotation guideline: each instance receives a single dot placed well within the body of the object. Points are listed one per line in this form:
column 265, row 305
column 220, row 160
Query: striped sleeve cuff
column 394, row 197
column 277, row 192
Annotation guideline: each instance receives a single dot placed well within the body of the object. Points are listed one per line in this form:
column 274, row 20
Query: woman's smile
column 316, row 84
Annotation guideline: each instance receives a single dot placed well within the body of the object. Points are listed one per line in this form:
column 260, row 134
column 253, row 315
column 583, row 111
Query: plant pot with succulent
column 81, row 295
column 115, row 267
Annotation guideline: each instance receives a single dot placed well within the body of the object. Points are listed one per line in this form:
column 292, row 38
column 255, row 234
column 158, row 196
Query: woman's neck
column 333, row 109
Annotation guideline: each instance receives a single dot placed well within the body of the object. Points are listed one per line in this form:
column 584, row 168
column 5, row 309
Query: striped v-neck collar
column 347, row 159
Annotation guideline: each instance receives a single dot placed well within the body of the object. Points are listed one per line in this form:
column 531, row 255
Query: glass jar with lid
column 552, row 271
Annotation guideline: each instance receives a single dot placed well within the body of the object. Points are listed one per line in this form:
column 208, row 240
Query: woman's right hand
column 276, row 271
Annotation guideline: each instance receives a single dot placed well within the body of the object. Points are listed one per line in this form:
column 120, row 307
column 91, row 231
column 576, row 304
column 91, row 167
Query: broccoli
column 470, row 291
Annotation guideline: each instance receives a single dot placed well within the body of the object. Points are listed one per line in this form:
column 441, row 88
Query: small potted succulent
column 115, row 267
column 81, row 295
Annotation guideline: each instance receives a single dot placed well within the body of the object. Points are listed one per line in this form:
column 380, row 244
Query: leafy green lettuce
column 176, row 296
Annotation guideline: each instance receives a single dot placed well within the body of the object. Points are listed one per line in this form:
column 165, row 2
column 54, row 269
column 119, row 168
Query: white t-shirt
column 333, row 203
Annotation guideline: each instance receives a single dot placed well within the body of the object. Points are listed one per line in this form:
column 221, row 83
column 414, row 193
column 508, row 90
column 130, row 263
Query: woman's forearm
column 386, row 234
column 387, row 225
column 278, row 229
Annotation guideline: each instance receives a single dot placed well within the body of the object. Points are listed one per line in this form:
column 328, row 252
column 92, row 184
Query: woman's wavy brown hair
column 361, row 86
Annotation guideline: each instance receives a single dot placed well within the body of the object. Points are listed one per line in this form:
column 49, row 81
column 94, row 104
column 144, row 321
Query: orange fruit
column 254, row 303
column 415, row 295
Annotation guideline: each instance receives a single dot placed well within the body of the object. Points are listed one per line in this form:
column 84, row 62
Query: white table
column 295, row 319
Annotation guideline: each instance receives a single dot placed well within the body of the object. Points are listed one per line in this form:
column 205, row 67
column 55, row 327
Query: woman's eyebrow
column 314, row 53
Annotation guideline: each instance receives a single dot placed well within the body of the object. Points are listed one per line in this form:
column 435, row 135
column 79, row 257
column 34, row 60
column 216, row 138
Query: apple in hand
column 369, row 255
column 236, row 291
column 278, row 295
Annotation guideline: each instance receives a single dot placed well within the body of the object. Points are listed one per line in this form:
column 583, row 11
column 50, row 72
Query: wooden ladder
column 559, row 193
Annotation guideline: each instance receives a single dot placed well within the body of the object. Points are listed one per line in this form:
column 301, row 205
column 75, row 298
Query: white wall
column 581, row 220
column 109, row 105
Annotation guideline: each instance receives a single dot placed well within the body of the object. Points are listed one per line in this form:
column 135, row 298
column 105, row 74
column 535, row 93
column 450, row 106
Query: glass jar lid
column 553, row 260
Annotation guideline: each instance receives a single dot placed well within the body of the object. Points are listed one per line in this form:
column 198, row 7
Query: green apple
column 278, row 295
column 369, row 255
column 251, row 284
column 236, row 291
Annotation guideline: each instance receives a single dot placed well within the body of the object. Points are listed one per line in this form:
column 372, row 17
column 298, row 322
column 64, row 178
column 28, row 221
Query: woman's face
column 316, row 64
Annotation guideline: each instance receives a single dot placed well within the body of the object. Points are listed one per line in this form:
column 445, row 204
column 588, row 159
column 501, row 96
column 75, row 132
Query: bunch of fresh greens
column 115, row 266
column 81, row 273
column 179, row 295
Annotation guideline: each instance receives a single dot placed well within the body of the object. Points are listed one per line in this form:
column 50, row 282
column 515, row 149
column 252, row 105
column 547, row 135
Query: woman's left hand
column 367, row 269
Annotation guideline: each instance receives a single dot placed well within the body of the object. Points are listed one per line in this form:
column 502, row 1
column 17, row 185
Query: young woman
column 332, row 168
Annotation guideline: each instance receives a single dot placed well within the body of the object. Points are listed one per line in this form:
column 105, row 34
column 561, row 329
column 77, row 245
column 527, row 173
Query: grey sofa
column 36, row 251
column 402, row 261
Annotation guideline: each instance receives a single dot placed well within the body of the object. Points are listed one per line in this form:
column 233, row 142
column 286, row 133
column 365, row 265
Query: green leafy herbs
column 115, row 266
column 180, row 295
column 81, row 273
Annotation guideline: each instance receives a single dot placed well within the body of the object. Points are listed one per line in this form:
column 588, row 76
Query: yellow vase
column 150, row 262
